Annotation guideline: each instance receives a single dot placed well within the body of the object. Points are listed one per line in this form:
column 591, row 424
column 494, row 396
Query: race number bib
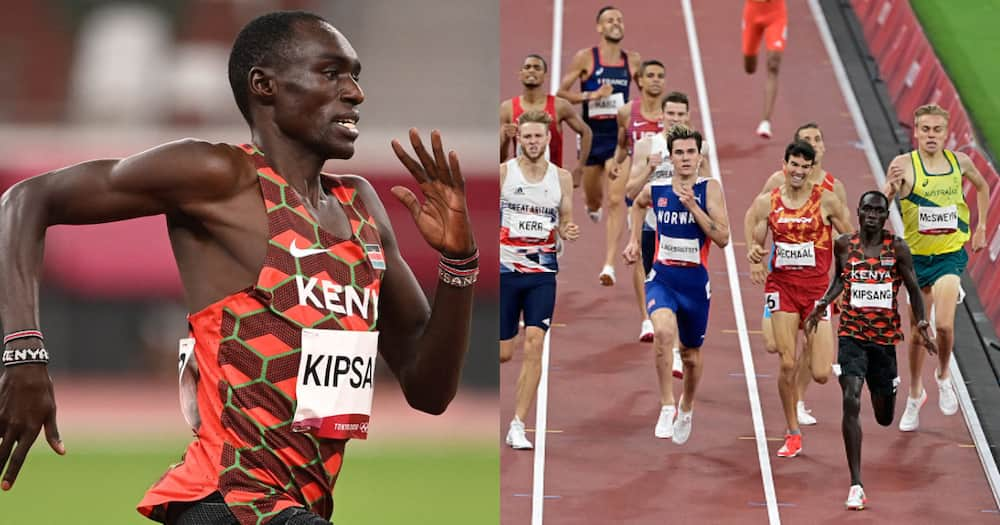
column 607, row 106
column 794, row 254
column 187, row 371
column 937, row 220
column 530, row 226
column 681, row 252
column 335, row 383
column 772, row 301
column 871, row 295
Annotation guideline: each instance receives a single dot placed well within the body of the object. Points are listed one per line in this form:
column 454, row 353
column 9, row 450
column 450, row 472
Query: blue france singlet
column 601, row 114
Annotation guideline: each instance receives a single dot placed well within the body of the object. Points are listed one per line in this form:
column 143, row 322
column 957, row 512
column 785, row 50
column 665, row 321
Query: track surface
column 603, row 464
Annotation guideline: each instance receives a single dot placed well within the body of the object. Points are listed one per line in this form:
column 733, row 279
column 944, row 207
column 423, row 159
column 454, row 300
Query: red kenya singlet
column 868, row 309
column 247, row 348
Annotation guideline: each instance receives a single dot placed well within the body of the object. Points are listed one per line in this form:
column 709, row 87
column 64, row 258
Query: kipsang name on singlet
column 329, row 370
column 871, row 295
column 343, row 300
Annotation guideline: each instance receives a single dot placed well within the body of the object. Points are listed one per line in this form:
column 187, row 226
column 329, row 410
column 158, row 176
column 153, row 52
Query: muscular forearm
column 836, row 287
column 22, row 239
column 429, row 377
column 637, row 178
column 983, row 203
column 638, row 216
column 719, row 233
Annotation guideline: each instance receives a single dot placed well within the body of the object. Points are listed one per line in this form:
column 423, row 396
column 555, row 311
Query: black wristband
column 21, row 356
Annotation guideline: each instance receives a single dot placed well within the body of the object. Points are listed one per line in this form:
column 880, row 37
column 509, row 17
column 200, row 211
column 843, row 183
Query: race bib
column 607, row 106
column 187, row 371
column 794, row 254
column 530, row 226
column 683, row 252
column 937, row 220
column 772, row 301
column 871, row 295
column 335, row 383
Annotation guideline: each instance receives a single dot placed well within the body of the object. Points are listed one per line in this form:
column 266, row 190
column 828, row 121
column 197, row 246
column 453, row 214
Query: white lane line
column 541, row 412
column 734, row 283
column 968, row 409
column 556, row 58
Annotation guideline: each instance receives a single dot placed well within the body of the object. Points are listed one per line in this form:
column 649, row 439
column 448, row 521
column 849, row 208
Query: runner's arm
column 641, row 168
column 896, row 184
column 970, row 171
column 506, row 140
column 836, row 212
column 638, row 212
column 840, row 245
column 904, row 263
column 715, row 223
column 578, row 67
column 755, row 222
column 841, row 192
column 567, row 228
column 565, row 111
column 621, row 148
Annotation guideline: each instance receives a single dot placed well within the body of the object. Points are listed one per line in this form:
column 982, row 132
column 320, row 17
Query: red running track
column 603, row 464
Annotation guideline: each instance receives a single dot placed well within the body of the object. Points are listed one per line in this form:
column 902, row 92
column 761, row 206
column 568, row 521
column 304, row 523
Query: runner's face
column 534, row 137
column 872, row 213
column 796, row 170
column 675, row 113
column 611, row 26
column 685, row 156
column 930, row 132
column 814, row 137
column 532, row 72
column 652, row 79
column 316, row 91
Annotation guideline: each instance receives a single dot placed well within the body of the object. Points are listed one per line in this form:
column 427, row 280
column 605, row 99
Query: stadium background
column 92, row 79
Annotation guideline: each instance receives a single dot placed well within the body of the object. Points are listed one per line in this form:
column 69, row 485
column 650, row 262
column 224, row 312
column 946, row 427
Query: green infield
column 441, row 483
column 964, row 36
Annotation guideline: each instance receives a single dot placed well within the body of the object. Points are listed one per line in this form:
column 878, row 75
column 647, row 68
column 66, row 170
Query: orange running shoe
column 792, row 446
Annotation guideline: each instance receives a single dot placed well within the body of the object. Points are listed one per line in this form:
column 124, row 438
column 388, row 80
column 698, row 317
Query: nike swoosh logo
column 303, row 252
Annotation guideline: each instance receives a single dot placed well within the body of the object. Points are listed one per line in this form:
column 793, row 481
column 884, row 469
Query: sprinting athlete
column 533, row 98
column 928, row 182
column 690, row 212
column 536, row 207
column 870, row 265
column 767, row 19
column 800, row 217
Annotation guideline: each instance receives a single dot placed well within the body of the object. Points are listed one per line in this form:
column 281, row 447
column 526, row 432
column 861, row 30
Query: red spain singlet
column 556, row 142
column 247, row 348
column 803, row 243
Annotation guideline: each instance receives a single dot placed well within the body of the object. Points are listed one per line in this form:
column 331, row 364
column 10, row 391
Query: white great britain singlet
column 529, row 221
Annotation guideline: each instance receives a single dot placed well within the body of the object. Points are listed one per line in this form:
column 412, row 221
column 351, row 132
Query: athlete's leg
column 531, row 371
column 917, row 352
column 820, row 344
column 511, row 303
column 752, row 32
column 882, row 381
column 593, row 187
column 692, row 374
column 771, row 85
column 506, row 350
column 850, row 425
column 786, row 328
column 615, row 212
column 664, row 334
column 767, row 329
column 639, row 287
column 945, row 297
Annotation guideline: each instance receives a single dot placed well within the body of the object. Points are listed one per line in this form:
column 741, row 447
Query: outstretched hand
column 27, row 403
column 814, row 316
column 443, row 217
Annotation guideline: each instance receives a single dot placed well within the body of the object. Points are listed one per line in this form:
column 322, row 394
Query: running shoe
column 947, row 401
column 792, row 446
column 911, row 415
column 665, row 423
column 515, row 436
column 682, row 425
column 646, row 333
column 804, row 414
column 856, row 498
column 607, row 276
column 764, row 129
column 595, row 215
column 678, row 368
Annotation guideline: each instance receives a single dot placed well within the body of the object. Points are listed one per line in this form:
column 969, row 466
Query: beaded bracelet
column 22, row 334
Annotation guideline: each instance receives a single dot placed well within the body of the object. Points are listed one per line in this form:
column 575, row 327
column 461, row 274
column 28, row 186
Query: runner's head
column 684, row 145
column 675, row 110
column 810, row 132
column 611, row 24
column 873, row 210
column 533, row 71
column 651, row 77
column 533, row 133
column 930, row 127
column 293, row 72
column 799, row 158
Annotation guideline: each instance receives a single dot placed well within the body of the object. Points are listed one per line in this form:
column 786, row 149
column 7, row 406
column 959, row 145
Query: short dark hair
column 677, row 98
column 650, row 62
column 874, row 192
column 545, row 65
column 263, row 41
column 682, row 132
column 605, row 8
column 800, row 148
column 807, row 125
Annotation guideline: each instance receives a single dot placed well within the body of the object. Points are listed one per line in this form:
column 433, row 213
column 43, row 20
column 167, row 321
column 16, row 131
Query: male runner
column 767, row 19
column 636, row 119
column 533, row 98
column 651, row 161
column 536, row 205
column 690, row 210
column 870, row 265
column 811, row 134
column 280, row 265
column 605, row 75
column 928, row 182
column 800, row 217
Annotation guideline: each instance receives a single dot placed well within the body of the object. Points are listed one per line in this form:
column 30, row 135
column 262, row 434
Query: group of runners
column 816, row 265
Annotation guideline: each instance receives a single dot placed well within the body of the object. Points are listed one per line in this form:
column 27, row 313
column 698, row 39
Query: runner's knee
column 663, row 335
column 773, row 63
column 533, row 344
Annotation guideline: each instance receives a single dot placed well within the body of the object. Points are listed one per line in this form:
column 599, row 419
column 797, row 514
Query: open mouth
column 347, row 123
